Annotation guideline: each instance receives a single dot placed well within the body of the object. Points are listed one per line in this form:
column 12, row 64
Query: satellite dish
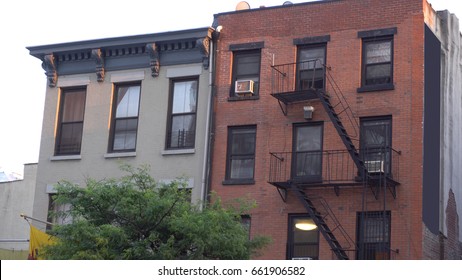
column 242, row 6
column 287, row 3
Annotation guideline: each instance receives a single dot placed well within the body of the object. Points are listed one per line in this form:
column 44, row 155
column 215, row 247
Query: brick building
column 342, row 120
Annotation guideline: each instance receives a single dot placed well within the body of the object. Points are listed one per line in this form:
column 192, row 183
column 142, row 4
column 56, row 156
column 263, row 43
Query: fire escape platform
column 306, row 185
column 295, row 96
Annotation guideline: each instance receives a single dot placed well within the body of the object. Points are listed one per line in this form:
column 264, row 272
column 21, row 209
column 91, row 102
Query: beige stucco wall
column 94, row 161
column 17, row 197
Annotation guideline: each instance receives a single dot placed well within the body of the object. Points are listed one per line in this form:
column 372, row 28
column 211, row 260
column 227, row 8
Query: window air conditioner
column 243, row 86
column 374, row 166
column 302, row 258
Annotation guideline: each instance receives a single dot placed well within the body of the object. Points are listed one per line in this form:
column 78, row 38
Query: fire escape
column 338, row 168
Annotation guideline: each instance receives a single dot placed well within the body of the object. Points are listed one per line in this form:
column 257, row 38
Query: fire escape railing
column 331, row 167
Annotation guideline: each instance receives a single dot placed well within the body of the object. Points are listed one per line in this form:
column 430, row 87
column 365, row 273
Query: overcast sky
column 31, row 23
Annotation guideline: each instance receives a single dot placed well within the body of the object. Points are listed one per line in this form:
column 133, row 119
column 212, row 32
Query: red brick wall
column 452, row 244
column 432, row 245
column 341, row 20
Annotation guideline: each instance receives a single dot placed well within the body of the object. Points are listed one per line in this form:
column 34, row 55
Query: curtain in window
column 74, row 106
column 71, row 122
column 126, row 117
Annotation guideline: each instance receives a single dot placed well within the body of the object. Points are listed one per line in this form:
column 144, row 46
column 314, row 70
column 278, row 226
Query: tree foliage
column 137, row 218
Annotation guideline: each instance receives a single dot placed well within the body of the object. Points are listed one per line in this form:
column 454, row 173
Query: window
column 125, row 118
column 181, row 132
column 241, row 155
column 307, row 152
column 377, row 66
column 375, row 141
column 70, row 124
column 310, row 67
column 303, row 238
column 246, row 223
column 373, row 235
column 246, row 66
column 377, row 60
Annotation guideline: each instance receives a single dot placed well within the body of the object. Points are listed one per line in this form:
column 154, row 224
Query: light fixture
column 308, row 112
column 306, row 225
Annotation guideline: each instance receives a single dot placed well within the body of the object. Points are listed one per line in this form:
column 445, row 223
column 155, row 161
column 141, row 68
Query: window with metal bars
column 373, row 235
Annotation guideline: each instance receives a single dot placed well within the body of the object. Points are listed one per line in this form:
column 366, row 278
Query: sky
column 33, row 23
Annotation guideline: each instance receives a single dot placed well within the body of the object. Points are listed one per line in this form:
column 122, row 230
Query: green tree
column 137, row 218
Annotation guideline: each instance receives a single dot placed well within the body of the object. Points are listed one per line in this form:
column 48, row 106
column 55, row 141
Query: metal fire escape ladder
column 318, row 219
column 336, row 120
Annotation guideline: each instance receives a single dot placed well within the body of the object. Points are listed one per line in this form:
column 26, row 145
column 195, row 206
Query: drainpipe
column 206, row 166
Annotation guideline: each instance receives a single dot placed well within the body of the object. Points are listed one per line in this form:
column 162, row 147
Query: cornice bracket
column 97, row 55
column 204, row 47
column 154, row 63
column 49, row 65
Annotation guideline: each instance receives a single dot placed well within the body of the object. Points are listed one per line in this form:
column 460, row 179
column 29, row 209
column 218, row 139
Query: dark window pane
column 378, row 74
column 307, row 158
column 74, row 106
column 128, row 98
column 376, row 133
column 308, row 138
column 376, row 143
column 373, row 237
column 183, row 131
column 241, row 153
column 184, row 97
column 243, row 141
column 248, row 65
column 311, row 58
column 71, row 137
column 125, row 134
column 377, row 52
column 242, row 168
column 308, row 164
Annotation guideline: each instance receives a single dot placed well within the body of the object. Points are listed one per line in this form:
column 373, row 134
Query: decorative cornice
column 49, row 65
column 204, row 47
column 154, row 63
column 97, row 55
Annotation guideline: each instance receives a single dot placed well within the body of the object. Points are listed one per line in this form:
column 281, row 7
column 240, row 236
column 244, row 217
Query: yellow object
column 38, row 239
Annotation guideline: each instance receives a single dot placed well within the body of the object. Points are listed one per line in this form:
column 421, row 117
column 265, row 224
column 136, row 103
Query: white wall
column 17, row 197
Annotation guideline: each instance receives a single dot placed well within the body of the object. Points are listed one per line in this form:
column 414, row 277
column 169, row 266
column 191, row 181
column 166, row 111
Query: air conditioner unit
column 243, row 86
column 374, row 166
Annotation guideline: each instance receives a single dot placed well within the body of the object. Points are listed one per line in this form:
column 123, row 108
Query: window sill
column 238, row 182
column 120, row 155
column 178, row 152
column 242, row 98
column 376, row 88
column 68, row 157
